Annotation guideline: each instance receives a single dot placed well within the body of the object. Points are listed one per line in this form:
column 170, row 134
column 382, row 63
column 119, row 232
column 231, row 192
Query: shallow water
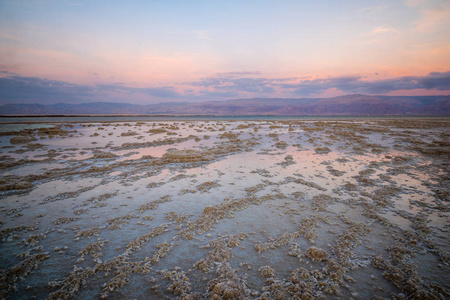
column 258, row 208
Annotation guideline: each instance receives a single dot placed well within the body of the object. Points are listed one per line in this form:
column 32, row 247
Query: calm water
column 99, row 119
column 9, row 124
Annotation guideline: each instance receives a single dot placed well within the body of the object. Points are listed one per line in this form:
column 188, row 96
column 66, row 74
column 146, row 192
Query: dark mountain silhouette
column 342, row 105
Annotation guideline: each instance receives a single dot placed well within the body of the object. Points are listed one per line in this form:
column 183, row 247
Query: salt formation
column 218, row 209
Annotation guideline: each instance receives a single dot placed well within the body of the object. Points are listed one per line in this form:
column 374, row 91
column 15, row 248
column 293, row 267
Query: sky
column 144, row 52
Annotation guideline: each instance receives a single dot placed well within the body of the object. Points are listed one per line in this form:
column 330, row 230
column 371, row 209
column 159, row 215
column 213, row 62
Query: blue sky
column 155, row 51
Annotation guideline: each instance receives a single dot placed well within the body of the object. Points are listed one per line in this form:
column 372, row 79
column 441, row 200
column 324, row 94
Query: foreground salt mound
column 317, row 254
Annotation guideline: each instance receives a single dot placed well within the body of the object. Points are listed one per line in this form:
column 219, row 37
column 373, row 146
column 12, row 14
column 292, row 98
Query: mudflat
column 257, row 209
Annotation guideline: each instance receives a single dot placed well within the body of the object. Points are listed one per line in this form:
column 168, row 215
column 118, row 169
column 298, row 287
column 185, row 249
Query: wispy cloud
column 435, row 18
column 255, row 85
column 239, row 82
column 434, row 14
column 160, row 92
column 15, row 88
column 356, row 84
column 20, row 89
column 238, row 74
column 382, row 29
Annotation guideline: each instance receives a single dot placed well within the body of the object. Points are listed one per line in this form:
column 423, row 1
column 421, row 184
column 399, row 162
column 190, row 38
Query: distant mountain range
column 342, row 105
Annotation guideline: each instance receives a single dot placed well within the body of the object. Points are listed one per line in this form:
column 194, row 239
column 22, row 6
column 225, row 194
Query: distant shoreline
column 210, row 115
column 39, row 119
column 347, row 105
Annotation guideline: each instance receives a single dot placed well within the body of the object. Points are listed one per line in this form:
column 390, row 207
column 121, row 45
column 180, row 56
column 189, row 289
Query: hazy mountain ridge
column 342, row 105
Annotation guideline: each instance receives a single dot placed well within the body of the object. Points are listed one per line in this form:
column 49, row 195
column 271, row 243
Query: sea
column 17, row 123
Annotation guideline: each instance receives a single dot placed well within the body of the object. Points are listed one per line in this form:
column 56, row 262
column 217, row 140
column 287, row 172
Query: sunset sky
column 73, row 51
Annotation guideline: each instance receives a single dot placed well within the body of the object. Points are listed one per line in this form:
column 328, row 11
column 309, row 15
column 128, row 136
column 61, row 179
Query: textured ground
column 226, row 210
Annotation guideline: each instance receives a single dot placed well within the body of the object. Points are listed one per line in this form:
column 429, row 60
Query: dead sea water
column 224, row 208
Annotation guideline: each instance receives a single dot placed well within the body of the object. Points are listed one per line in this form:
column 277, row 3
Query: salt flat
column 226, row 210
